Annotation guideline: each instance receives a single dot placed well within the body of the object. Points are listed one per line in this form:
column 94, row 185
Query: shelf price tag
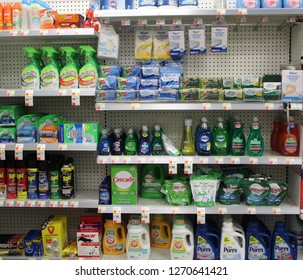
column 219, row 160
column 226, row 106
column 141, row 159
column 115, row 159
column 62, row 147
column 142, row 21
column 2, row 151
column 10, row 203
column 206, row 106
column 251, row 210
column 102, row 159
column 53, row 204
column 100, row 106
column 29, row 98
column 62, row 92
column 20, row 203
column 101, row 209
column 198, row 20
column 1, row 203
column 160, row 21
column 105, row 21
column 235, row 160
column 14, row 33
column 188, row 166
column 117, row 215
column 31, row 203
column 154, row 160
column 269, row 106
column 24, row 33
column 200, row 215
column 172, row 166
column 296, row 106
column 222, row 210
column 76, row 97
column 125, row 22
column 41, row 152
column 19, row 151
column 276, row 211
column 203, row 160
column 74, row 204
column 41, row 203
column 221, row 12
column 253, row 160
column 135, row 106
column 290, row 161
column 273, row 160
column 242, row 11
column 145, row 215
column 127, row 159
column 10, row 92
column 177, row 21
column 291, row 19
column 43, row 32
column 63, row 204
column 175, row 210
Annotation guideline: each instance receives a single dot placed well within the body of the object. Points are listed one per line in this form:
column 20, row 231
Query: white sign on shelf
column 145, row 215
column 206, row 106
column 31, row 203
column 10, row 92
column 2, row 151
column 19, row 151
column 175, row 210
column 142, row 21
column 101, row 209
column 74, row 204
column 62, row 147
column 20, row 203
column 273, row 160
column 1, row 203
column 135, row 106
column 253, row 160
column 200, row 215
column 10, row 203
column 235, row 160
column 63, row 204
column 188, row 166
column 269, row 106
column 41, row 203
column 125, row 22
column 198, row 20
column 242, row 11
column 102, row 159
column 53, row 204
column 29, row 98
column 251, row 210
column 276, row 211
column 62, row 92
column 226, row 106
column 40, row 152
column 117, row 215
column 100, row 106
column 203, row 160
column 160, row 21
column 219, row 160
column 222, row 210
column 172, row 166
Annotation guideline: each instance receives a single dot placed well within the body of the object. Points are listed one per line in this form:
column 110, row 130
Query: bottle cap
column 188, row 122
column 220, row 119
column 118, row 130
column 255, row 119
column 104, row 131
column 144, row 128
column 204, row 120
column 157, row 127
column 130, row 131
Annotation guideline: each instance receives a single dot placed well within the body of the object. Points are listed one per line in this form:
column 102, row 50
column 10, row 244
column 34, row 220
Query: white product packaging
column 292, row 85
column 219, row 36
column 176, row 43
column 108, row 43
column 197, row 40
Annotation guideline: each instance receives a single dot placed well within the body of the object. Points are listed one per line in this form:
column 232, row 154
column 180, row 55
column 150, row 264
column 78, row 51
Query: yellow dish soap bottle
column 187, row 144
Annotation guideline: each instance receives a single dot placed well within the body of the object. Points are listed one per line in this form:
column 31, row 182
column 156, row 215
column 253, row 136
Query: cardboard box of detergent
column 124, row 184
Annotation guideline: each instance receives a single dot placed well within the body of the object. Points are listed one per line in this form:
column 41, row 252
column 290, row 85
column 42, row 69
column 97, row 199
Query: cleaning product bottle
column 105, row 191
column 88, row 74
column 50, row 73
column 160, row 232
column 131, row 144
column 144, row 144
column 54, row 178
column 69, row 73
column 30, row 76
column 284, row 243
column 43, row 187
column 67, row 181
column 182, row 243
column 70, row 162
column 152, row 180
column 157, row 142
column 3, row 186
column 11, row 179
column 232, row 246
column 255, row 142
column 187, row 144
column 295, row 224
column 17, row 15
column 220, row 139
column 118, row 144
column 207, row 240
column 203, row 139
column 1, row 16
column 104, row 144
column 274, row 133
column 258, row 242
column 32, row 180
column 237, row 139
column 34, row 13
column 137, row 240
column 290, row 141
column 25, row 23
column 113, row 238
column 21, row 173
column 7, row 17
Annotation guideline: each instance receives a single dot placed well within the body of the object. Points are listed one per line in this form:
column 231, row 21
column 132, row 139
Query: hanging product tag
column 200, row 215
column 172, row 167
column 41, row 152
column 197, row 40
column 219, row 37
column 19, row 152
column 29, row 98
column 188, row 166
column 117, row 215
column 145, row 215
column 2, row 151
column 76, row 97
column 176, row 43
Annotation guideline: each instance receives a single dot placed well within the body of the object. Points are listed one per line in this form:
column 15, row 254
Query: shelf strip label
column 19, row 151
column 200, row 215
column 10, row 203
column 251, row 211
column 172, row 166
column 100, row 106
column 253, row 160
column 145, row 215
column 2, row 151
column 53, row 204
column 29, row 98
column 1, row 203
column 276, row 211
column 206, row 106
column 222, row 210
column 188, row 166
column 117, row 215
column 74, row 204
column 10, row 92
column 63, row 204
column 203, row 160
column 41, row 203
column 31, row 203
column 40, row 152
column 101, row 209
column 20, row 203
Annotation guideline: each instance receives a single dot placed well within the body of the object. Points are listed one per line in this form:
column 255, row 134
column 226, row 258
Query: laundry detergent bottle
column 255, row 142
column 160, row 232
column 113, row 238
column 237, row 139
column 284, row 243
column 203, row 139
column 152, row 180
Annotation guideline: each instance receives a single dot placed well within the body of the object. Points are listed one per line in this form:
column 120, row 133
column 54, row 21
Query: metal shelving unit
column 46, row 92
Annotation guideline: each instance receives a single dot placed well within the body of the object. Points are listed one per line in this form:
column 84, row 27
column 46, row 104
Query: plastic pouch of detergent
column 204, row 189
column 150, row 84
column 132, row 71
column 161, row 49
column 130, row 83
column 255, row 193
column 147, row 95
column 172, row 82
column 168, row 94
column 177, row 192
column 105, row 71
column 143, row 44
column 228, row 196
column 278, row 191
column 108, row 83
column 150, row 72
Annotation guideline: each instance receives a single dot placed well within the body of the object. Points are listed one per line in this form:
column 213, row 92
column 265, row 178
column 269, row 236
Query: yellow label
column 279, row 239
column 178, row 246
column 227, row 240
column 134, row 243
column 253, row 240
column 201, row 239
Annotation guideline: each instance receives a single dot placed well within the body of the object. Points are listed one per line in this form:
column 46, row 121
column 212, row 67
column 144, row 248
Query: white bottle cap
column 291, row 119
column 157, row 127
column 144, row 128
column 227, row 225
column 118, row 130
column 204, row 120
column 188, row 122
column 255, row 119
column 220, row 119
column 104, row 131
column 130, row 131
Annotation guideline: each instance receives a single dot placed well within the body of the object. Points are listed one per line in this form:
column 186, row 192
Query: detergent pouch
column 219, row 38
column 278, row 191
column 189, row 94
column 147, row 95
column 176, row 44
column 233, row 94
column 228, row 196
column 108, row 83
column 228, row 83
column 108, row 43
column 7, row 134
column 255, row 193
column 105, row 95
column 151, row 84
column 105, row 71
column 168, row 94
column 197, row 41
column 143, row 44
column 210, row 94
column 253, row 94
column 132, row 71
column 126, row 95
column 161, row 45
column 177, row 192
column 250, row 82
column 130, row 83
column 190, row 83
column 204, row 189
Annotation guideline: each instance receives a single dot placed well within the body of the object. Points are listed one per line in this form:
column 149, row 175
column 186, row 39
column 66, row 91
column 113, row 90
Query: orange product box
column 70, row 20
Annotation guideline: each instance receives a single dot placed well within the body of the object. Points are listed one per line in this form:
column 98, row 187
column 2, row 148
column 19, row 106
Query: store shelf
column 46, row 92
column 194, row 106
column 268, row 158
column 53, row 147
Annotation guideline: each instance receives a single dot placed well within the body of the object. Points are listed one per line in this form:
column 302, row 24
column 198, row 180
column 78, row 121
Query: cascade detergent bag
column 255, row 192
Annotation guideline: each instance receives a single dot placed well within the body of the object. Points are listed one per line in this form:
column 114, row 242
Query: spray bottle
column 43, row 187
column 11, row 180
column 32, row 180
column 69, row 73
column 21, row 173
column 30, row 76
column 50, row 73
column 89, row 72
column 3, row 180
column 67, row 181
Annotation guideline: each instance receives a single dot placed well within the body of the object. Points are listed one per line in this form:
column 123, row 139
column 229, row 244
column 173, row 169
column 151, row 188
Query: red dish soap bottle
column 290, row 139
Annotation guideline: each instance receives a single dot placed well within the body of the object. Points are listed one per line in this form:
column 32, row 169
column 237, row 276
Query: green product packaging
column 91, row 133
column 253, row 94
column 152, row 180
column 278, row 192
column 233, row 94
column 27, row 128
column 131, row 143
column 7, row 134
column 49, row 77
column 237, row 83
column 9, row 114
column 272, row 90
column 49, row 127
column 124, row 184
column 204, row 189
column 177, row 192
column 210, row 94
column 190, row 83
column 88, row 74
column 71, row 133
column 255, row 193
column 55, row 184
column 220, row 139
column 250, row 82
column 189, row 94
column 228, row 83
column 229, row 196
column 213, row 83
column 69, row 73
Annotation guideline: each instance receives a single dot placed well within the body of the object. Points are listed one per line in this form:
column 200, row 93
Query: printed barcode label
column 101, row 209
column 117, row 215
column 10, row 203
column 54, row 204
column 206, row 106
column 41, row 152
column 135, row 106
column 19, row 152
column 188, row 166
column 203, row 160
column 172, row 166
column 200, row 215
column 145, row 215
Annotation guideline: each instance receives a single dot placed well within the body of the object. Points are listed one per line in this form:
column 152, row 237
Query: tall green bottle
column 220, row 139
column 131, row 143
column 157, row 142
column 255, row 142
column 237, row 139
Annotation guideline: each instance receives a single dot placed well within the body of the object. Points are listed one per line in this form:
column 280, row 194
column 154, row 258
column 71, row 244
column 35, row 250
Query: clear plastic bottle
column 187, row 144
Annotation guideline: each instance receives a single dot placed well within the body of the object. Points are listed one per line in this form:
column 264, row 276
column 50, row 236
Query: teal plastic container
column 152, row 180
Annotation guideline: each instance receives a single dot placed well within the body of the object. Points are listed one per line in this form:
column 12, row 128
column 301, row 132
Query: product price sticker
column 125, row 22
column 20, row 203
column 253, row 160
column 198, row 20
column 74, row 204
column 269, row 106
column 19, row 151
column 251, row 211
column 273, row 160
column 62, row 147
column 1, row 203
column 291, row 19
column 226, row 106
column 242, row 11
column 10, row 203
column 222, row 210
column 24, row 33
column 203, row 160
column 40, row 152
column 101, row 209
column 276, row 210
column 41, row 203
column 141, row 159
column 241, row 19
column 172, row 166
column 117, row 215
column 2, row 151
column 43, row 32
column 115, row 159
column 177, row 21
column 14, row 33
column 135, row 106
column 219, row 160
column 102, row 159
column 75, row 98
column 235, row 160
column 10, row 92
column 206, row 106
column 53, row 204
column 100, row 106
column 62, row 92
column 29, row 98
column 175, row 210
column 160, row 21
column 64, row 204
column 221, row 12
column 154, row 160
column 200, row 215
column 60, row 31
column 142, row 21
column 105, row 21
column 127, row 159
column 188, row 166
column 145, row 215
column 296, row 106
column 290, row 161
column 31, row 203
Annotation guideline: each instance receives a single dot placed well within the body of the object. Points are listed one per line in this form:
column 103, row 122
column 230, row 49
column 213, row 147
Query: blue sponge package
column 150, row 84
column 132, row 71
column 105, row 71
column 130, row 83
column 108, row 83
column 126, row 95
column 105, row 95
column 150, row 72
column 169, row 94
column 146, row 95
column 173, row 82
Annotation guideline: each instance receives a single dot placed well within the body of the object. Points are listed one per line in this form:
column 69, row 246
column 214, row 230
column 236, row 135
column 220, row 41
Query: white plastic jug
column 137, row 241
column 232, row 243
column 237, row 227
column 182, row 243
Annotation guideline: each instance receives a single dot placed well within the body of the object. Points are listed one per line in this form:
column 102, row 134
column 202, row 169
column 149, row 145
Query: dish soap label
column 204, row 250
column 230, row 252
column 282, row 250
column 256, row 250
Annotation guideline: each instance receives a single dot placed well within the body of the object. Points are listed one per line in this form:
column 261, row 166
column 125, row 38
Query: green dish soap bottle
column 220, row 139
column 88, row 74
column 50, row 73
column 152, row 180
column 131, row 143
column 69, row 73
column 187, row 144
column 237, row 139
column 157, row 142
column 255, row 142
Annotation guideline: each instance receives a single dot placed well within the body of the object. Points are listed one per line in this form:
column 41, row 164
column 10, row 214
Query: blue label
column 32, row 185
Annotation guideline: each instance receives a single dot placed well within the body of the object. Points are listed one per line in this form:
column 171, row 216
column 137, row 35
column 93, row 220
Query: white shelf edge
column 47, row 92
column 53, row 147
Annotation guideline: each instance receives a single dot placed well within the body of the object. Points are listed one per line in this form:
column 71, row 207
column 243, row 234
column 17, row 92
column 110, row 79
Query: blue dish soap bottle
column 284, row 243
column 203, row 139
column 144, row 144
column 104, row 146
column 118, row 144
